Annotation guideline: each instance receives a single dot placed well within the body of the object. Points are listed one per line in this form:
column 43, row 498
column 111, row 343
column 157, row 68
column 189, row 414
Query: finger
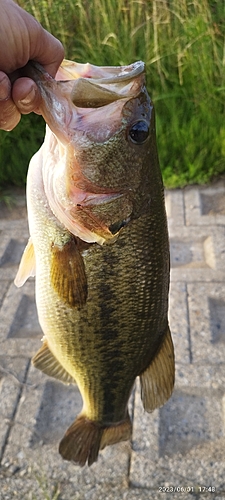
column 5, row 86
column 26, row 95
column 48, row 48
column 9, row 115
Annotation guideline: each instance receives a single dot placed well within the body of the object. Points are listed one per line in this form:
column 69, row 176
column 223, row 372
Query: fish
column 99, row 249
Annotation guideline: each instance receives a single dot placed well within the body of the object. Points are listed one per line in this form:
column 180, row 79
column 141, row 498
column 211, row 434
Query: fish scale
column 99, row 243
column 114, row 321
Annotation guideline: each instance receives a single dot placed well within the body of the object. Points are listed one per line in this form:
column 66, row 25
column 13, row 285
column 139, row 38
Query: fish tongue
column 86, row 94
column 96, row 92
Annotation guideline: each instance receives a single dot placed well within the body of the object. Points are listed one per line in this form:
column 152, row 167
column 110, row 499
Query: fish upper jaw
column 76, row 105
column 70, row 70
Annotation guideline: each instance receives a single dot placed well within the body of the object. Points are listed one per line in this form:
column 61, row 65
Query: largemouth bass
column 99, row 249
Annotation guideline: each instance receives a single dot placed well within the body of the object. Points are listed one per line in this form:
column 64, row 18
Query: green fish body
column 99, row 247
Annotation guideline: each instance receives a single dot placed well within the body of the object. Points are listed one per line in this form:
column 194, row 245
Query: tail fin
column 85, row 438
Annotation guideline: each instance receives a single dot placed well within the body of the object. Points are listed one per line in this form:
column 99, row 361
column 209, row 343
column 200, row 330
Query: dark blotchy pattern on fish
column 100, row 244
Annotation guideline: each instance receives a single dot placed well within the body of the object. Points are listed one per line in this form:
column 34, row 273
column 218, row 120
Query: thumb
column 48, row 51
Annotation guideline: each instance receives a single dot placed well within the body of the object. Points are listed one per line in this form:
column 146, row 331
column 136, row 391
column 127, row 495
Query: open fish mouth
column 85, row 107
column 69, row 103
column 98, row 86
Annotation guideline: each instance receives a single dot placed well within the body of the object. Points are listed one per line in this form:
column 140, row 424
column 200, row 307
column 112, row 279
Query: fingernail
column 28, row 98
column 4, row 88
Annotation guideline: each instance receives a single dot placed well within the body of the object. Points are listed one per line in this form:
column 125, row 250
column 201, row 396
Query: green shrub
column 182, row 43
column 17, row 147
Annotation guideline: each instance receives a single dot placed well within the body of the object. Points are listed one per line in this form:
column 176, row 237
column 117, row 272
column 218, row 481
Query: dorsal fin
column 45, row 361
column 27, row 265
column 157, row 380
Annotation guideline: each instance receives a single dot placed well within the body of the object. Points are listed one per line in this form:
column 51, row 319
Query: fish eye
column 139, row 132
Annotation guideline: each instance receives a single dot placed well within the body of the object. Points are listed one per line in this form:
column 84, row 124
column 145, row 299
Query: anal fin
column 157, row 381
column 120, row 431
column 48, row 364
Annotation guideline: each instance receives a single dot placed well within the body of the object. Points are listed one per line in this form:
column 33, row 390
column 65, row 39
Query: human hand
column 22, row 38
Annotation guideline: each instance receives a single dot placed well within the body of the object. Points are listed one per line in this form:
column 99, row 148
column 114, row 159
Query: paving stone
column 45, row 410
column 14, row 236
column 20, row 331
column 31, row 489
column 178, row 446
column 179, row 321
column 197, row 254
column 3, row 289
column 15, row 208
column 207, row 322
column 11, row 383
column 205, row 207
column 174, row 201
column 181, row 444
column 12, row 252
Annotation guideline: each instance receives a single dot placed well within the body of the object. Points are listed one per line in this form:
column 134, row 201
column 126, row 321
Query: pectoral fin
column 68, row 276
column 157, row 380
column 48, row 364
column 27, row 265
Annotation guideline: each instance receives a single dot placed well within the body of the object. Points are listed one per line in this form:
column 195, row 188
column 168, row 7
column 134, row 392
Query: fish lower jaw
column 79, row 221
column 86, row 227
column 89, row 236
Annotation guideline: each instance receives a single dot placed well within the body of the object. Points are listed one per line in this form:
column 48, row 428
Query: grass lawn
column 183, row 46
